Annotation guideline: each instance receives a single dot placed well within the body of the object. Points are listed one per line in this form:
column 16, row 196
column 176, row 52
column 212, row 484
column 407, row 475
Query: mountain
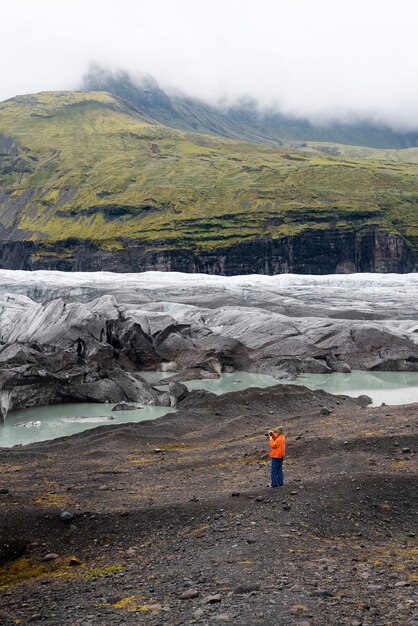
column 244, row 120
column 89, row 182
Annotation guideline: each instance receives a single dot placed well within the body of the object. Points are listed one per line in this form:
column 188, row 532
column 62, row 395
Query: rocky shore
column 172, row 522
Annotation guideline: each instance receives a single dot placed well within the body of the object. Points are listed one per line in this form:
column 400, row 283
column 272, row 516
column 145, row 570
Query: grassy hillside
column 89, row 166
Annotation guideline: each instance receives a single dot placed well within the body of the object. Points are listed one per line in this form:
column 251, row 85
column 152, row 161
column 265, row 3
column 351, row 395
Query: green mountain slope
column 89, row 167
column 243, row 120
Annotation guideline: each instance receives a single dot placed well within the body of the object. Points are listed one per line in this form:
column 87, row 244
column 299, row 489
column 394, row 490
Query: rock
column 157, row 450
column 11, row 550
column 125, row 406
column 235, row 494
column 189, row 594
column 178, row 392
column 406, row 450
column 246, row 588
column 198, row 613
column 104, row 488
column 51, row 556
column 199, row 534
column 322, row 593
column 66, row 516
column 363, row 400
column 212, row 599
column 4, row 491
column 325, row 411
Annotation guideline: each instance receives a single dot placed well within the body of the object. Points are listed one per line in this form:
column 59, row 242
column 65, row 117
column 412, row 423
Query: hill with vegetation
column 88, row 169
column 243, row 120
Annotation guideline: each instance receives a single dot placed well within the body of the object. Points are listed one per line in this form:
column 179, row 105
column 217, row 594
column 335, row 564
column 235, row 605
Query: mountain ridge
column 242, row 120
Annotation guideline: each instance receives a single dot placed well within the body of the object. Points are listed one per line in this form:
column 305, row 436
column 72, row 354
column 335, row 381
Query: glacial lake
column 50, row 422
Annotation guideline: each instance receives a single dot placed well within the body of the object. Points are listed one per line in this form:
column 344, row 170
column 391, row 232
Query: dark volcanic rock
column 310, row 252
column 11, row 549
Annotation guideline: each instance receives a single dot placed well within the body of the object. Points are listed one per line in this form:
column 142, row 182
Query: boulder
column 177, row 392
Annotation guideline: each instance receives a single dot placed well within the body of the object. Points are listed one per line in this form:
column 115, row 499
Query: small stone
column 51, row 556
column 224, row 618
column 286, row 507
column 304, row 623
column 66, row 516
column 325, row 411
column 249, row 588
column 250, row 540
column 73, row 561
column 213, row 599
column 293, row 493
column 157, row 450
column 199, row 534
column 189, row 594
column 104, row 488
column 259, row 499
column 198, row 613
column 235, row 494
column 322, row 593
column 406, row 450
column 402, row 583
column 4, row 491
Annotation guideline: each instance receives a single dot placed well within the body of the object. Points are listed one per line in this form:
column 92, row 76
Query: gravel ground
column 173, row 521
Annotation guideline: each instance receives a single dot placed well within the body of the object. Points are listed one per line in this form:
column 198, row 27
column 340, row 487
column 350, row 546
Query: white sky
column 316, row 57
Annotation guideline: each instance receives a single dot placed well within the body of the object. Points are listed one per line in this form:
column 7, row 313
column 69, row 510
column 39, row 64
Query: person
column 277, row 453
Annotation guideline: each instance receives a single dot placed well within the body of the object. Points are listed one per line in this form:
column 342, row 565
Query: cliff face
column 311, row 252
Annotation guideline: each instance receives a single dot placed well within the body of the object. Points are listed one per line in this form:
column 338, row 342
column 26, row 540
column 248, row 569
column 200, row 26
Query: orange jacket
column 277, row 446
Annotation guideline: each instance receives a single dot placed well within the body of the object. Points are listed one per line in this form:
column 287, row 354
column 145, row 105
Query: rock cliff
column 311, row 252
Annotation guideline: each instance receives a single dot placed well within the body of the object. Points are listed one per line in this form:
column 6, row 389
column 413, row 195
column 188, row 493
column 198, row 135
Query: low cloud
column 325, row 60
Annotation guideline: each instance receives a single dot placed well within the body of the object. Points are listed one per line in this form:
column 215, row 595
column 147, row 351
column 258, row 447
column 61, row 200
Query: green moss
column 104, row 571
column 95, row 178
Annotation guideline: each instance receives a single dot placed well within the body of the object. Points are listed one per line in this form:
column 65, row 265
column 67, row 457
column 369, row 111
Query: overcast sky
column 315, row 57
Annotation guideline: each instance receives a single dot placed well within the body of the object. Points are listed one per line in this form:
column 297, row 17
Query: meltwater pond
column 59, row 420
column 43, row 423
column 387, row 387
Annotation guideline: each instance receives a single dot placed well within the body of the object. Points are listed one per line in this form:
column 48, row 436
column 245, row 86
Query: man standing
column 277, row 454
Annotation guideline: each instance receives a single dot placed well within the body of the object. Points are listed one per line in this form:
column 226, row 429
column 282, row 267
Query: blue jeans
column 277, row 472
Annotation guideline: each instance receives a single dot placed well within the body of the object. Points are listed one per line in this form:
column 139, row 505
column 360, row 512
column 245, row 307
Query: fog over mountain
column 325, row 61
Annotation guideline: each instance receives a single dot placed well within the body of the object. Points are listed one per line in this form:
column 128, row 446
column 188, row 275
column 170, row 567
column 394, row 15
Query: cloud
column 322, row 59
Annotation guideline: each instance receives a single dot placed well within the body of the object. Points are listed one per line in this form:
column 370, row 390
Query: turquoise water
column 50, row 422
column 387, row 387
